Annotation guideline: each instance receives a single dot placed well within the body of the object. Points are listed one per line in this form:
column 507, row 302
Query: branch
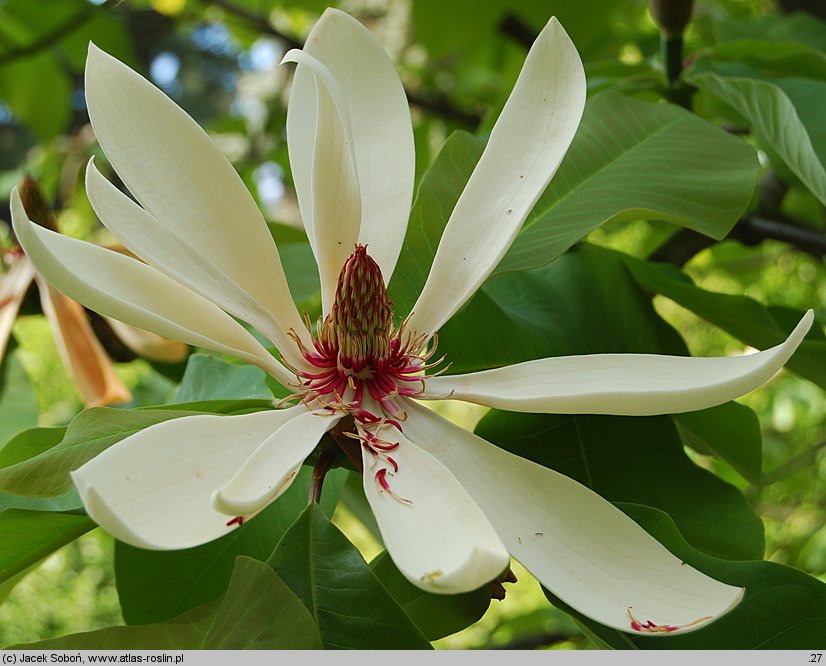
column 514, row 27
column 749, row 230
column 440, row 106
column 799, row 462
column 256, row 21
column 50, row 38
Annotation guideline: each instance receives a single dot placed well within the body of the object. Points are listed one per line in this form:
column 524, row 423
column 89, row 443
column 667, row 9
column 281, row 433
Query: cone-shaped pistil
column 362, row 313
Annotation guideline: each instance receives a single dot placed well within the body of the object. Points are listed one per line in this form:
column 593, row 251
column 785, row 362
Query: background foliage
column 687, row 217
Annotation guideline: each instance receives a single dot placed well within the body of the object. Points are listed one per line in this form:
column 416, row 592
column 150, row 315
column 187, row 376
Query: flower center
column 362, row 364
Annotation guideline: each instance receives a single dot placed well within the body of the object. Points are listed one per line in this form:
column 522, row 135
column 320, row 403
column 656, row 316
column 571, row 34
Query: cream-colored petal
column 81, row 351
column 334, row 214
column 147, row 344
column 301, row 126
column 369, row 93
column 271, row 468
column 578, row 545
column 13, row 287
column 181, row 178
column 624, row 384
column 153, row 489
column 126, row 289
column 525, row 149
column 160, row 245
column 436, row 534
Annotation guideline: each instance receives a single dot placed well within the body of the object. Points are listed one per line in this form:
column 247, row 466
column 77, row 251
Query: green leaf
column 783, row 608
column 258, row 612
column 436, row 615
column 629, row 160
column 43, row 104
column 635, row 459
column 787, row 114
column 29, row 443
column 585, row 302
column 28, row 536
column 89, row 433
column 635, row 160
column 18, row 402
column 349, row 604
column 210, row 378
column 730, row 432
column 155, row 586
column 755, row 324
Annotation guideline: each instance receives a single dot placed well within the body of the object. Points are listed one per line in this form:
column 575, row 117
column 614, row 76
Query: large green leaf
column 787, row 114
column 635, row 459
column 585, row 302
column 757, row 325
column 28, row 536
column 636, row 160
column 349, row 604
column 29, row 443
column 783, row 608
column 629, row 160
column 258, row 612
column 730, row 432
column 436, row 615
column 154, row 586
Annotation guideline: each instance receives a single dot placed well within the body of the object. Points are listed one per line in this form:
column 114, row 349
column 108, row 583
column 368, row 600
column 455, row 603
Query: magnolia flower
column 451, row 507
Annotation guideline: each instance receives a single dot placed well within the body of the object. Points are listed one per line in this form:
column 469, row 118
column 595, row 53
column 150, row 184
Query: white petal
column 153, row 489
column 81, row 351
column 624, row 384
column 181, row 178
column 124, row 288
column 334, row 217
column 369, row 93
column 159, row 244
column 13, row 287
column 271, row 468
column 525, row 148
column 578, row 545
column 434, row 531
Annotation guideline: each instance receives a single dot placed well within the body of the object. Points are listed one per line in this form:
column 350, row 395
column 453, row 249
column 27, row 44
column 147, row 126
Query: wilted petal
column 330, row 202
column 126, row 289
column 153, row 489
column 81, row 351
column 13, row 287
column 369, row 93
column 525, row 149
column 578, row 545
column 436, row 534
column 624, row 384
column 271, row 468
column 158, row 244
column 147, row 344
column 181, row 178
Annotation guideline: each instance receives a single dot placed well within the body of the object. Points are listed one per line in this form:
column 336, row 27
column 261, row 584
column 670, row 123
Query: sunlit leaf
column 258, row 612
column 28, row 536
